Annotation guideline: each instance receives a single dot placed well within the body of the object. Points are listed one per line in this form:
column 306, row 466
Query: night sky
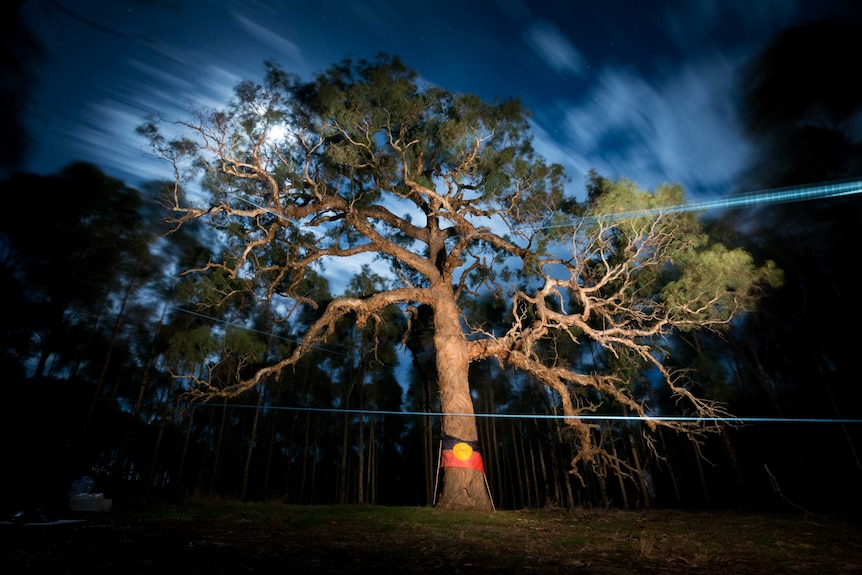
column 636, row 89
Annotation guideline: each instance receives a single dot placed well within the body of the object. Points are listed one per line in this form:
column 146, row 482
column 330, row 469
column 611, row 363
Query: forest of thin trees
column 96, row 321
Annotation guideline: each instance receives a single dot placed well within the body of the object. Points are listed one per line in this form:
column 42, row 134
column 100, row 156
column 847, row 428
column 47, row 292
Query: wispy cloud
column 679, row 127
column 283, row 47
column 554, row 48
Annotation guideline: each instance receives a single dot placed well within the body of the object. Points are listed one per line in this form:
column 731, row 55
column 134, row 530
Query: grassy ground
column 216, row 538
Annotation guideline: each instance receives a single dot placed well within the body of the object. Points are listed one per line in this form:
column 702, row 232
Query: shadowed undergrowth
column 228, row 537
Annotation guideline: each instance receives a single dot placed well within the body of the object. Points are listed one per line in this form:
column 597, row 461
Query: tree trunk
column 517, row 495
column 492, row 431
column 342, row 473
column 537, row 488
column 186, row 443
column 218, row 448
column 618, row 472
column 270, row 448
column 548, row 495
column 107, row 361
column 157, row 448
column 373, row 456
column 207, row 452
column 673, row 478
column 560, row 456
column 251, row 440
column 360, row 462
column 645, row 492
column 306, row 456
column 463, row 488
column 163, row 411
column 428, row 450
column 699, row 459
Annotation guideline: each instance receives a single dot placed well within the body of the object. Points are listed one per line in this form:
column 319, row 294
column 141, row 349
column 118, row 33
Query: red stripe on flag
column 473, row 462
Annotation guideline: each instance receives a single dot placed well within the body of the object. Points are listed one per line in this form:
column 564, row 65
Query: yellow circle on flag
column 462, row 451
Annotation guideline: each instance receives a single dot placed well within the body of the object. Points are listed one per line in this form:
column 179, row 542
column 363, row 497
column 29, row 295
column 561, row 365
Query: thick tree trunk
column 463, row 488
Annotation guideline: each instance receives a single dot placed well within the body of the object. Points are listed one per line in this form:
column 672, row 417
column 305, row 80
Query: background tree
column 445, row 189
column 72, row 316
column 793, row 356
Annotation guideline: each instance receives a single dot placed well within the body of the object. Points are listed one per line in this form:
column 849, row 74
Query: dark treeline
column 97, row 320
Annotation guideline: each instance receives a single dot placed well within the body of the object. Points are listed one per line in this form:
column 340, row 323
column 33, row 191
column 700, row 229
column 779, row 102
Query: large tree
column 366, row 160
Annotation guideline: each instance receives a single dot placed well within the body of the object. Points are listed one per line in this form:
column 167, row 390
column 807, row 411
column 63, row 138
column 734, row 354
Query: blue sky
column 639, row 89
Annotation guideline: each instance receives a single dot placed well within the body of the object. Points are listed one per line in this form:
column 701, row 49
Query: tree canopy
column 367, row 162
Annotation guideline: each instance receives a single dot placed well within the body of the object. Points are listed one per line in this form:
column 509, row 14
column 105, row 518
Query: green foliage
column 711, row 279
column 244, row 344
column 698, row 279
column 191, row 347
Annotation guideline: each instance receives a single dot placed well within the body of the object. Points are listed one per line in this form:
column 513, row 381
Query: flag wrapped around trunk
column 460, row 453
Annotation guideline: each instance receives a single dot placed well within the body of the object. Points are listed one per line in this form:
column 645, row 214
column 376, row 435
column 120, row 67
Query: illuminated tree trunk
column 463, row 488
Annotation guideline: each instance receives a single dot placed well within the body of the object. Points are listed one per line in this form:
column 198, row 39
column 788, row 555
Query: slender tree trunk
column 145, row 375
column 647, row 500
column 315, row 449
column 429, row 454
column 163, row 411
column 218, row 448
column 673, row 478
column 731, row 453
column 106, row 362
column 518, row 495
column 210, row 448
column 492, row 430
column 560, row 443
column 342, row 483
column 186, row 442
column 290, row 463
column 373, row 457
column 157, row 448
column 306, row 454
column 251, row 440
column 546, row 481
column 463, row 488
column 360, row 463
column 270, row 448
column 699, row 459
column 620, row 478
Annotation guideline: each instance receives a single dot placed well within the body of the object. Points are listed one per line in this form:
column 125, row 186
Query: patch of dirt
column 519, row 542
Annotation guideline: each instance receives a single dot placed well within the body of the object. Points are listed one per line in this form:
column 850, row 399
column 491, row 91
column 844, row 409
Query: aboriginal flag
column 460, row 453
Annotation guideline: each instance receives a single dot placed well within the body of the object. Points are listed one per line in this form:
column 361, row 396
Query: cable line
column 587, row 417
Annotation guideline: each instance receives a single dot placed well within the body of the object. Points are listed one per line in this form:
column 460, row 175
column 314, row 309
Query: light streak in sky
column 775, row 196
